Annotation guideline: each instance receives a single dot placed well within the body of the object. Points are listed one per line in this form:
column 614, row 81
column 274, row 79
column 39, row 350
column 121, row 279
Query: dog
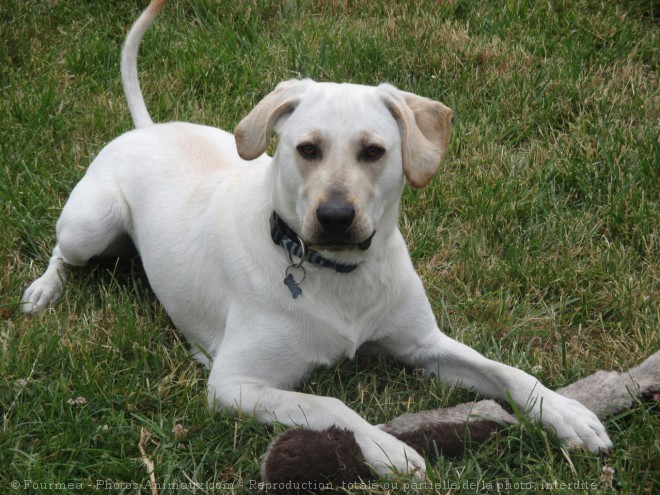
column 271, row 267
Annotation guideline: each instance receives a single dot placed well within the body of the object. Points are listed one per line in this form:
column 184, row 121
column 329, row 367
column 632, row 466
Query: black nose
column 335, row 216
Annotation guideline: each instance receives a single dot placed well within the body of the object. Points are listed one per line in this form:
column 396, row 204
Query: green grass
column 538, row 242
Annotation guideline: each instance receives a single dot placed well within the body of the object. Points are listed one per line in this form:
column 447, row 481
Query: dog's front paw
column 575, row 425
column 41, row 293
column 386, row 455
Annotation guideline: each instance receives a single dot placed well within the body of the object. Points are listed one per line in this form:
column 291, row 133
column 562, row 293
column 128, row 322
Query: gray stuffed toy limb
column 302, row 457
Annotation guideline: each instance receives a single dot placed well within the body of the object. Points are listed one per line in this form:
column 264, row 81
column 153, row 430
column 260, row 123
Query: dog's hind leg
column 93, row 223
column 47, row 288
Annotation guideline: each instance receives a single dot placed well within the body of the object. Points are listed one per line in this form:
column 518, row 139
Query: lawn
column 538, row 241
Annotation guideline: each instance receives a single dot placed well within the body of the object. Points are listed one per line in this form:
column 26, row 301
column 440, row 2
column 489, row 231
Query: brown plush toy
column 302, row 457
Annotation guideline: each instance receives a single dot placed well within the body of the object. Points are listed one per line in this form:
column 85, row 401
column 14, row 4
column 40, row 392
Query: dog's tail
column 129, row 76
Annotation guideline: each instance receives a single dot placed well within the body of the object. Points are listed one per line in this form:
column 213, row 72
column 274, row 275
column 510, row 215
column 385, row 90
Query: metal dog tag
column 292, row 285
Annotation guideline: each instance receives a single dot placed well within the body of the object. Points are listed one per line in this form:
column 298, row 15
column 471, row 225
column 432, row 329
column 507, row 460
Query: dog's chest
column 348, row 335
column 328, row 340
column 338, row 322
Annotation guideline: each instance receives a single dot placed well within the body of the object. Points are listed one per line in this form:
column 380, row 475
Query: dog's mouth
column 343, row 245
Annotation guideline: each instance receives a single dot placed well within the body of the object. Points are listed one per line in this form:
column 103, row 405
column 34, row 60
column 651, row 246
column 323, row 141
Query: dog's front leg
column 383, row 452
column 457, row 364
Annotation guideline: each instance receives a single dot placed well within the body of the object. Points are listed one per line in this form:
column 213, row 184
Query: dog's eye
column 309, row 151
column 371, row 153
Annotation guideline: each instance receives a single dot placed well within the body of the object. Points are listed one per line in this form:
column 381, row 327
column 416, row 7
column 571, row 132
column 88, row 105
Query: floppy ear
column 253, row 132
column 424, row 127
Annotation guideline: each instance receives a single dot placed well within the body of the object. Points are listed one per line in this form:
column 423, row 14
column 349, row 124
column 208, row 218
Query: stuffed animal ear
column 424, row 127
column 253, row 132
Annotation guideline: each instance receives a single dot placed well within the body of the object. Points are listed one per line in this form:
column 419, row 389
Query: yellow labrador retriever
column 274, row 266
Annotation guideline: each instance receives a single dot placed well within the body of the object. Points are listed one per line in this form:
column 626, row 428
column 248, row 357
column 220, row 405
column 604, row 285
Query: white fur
column 198, row 214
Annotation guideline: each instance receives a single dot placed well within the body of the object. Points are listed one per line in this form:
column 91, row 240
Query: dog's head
column 343, row 153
